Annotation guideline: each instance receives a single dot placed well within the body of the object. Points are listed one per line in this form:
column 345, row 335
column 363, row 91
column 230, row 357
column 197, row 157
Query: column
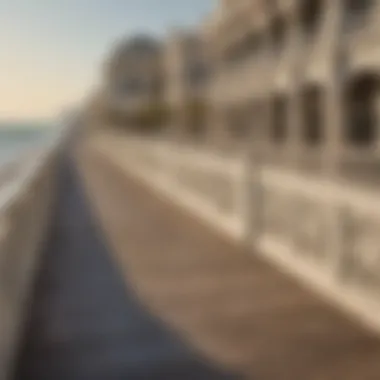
column 251, row 203
column 295, row 121
column 295, row 124
column 377, row 133
column 334, row 140
column 334, row 113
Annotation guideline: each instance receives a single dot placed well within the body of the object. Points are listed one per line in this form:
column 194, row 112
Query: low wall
column 325, row 233
column 25, row 206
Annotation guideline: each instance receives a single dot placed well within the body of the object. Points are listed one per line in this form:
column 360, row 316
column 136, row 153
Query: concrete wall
column 25, row 208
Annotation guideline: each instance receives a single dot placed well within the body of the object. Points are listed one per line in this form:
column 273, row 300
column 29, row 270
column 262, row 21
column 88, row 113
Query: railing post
column 252, row 181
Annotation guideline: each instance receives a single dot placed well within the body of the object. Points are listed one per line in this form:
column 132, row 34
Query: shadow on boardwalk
column 85, row 323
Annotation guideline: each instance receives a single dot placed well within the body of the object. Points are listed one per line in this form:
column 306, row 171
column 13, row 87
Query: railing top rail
column 24, row 171
column 326, row 190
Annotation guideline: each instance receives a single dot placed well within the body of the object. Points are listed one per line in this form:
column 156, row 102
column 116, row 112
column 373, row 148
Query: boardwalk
column 85, row 322
column 237, row 309
column 164, row 297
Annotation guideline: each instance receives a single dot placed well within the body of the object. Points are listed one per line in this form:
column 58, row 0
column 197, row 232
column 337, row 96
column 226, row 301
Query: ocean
column 19, row 139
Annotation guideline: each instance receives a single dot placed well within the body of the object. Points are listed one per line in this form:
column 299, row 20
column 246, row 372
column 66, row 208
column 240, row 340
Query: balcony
column 247, row 67
column 361, row 34
column 362, row 158
column 282, row 53
column 317, row 38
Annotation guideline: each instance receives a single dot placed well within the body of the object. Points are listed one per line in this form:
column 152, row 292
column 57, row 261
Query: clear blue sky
column 51, row 50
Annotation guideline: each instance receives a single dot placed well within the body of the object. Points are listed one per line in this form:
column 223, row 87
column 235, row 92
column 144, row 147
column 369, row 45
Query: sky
column 51, row 50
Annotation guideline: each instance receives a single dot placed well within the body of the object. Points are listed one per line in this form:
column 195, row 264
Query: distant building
column 187, row 72
column 133, row 75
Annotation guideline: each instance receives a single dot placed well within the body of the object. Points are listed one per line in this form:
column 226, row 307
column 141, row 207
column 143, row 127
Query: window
column 312, row 115
column 278, row 34
column 250, row 45
column 358, row 6
column 197, row 73
column 356, row 12
column 361, row 99
column 310, row 14
column 131, row 86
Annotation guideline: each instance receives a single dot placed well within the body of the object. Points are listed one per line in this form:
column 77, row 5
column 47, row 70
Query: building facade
column 291, row 161
column 302, row 77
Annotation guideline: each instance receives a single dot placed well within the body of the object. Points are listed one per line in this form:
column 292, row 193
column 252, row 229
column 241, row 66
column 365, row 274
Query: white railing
column 205, row 183
column 324, row 232
column 327, row 233
column 25, row 206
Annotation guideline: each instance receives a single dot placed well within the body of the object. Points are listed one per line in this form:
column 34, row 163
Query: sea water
column 17, row 140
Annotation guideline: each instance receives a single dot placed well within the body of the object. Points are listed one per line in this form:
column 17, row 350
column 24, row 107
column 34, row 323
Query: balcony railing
column 321, row 230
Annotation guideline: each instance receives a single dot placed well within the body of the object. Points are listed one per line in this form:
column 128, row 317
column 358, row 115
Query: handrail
column 25, row 209
column 12, row 188
column 310, row 225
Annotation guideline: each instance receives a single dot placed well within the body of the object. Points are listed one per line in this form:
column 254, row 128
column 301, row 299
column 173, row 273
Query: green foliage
column 151, row 117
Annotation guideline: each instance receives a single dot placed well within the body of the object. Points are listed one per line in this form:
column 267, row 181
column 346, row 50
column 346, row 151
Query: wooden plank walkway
column 235, row 308
column 86, row 322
